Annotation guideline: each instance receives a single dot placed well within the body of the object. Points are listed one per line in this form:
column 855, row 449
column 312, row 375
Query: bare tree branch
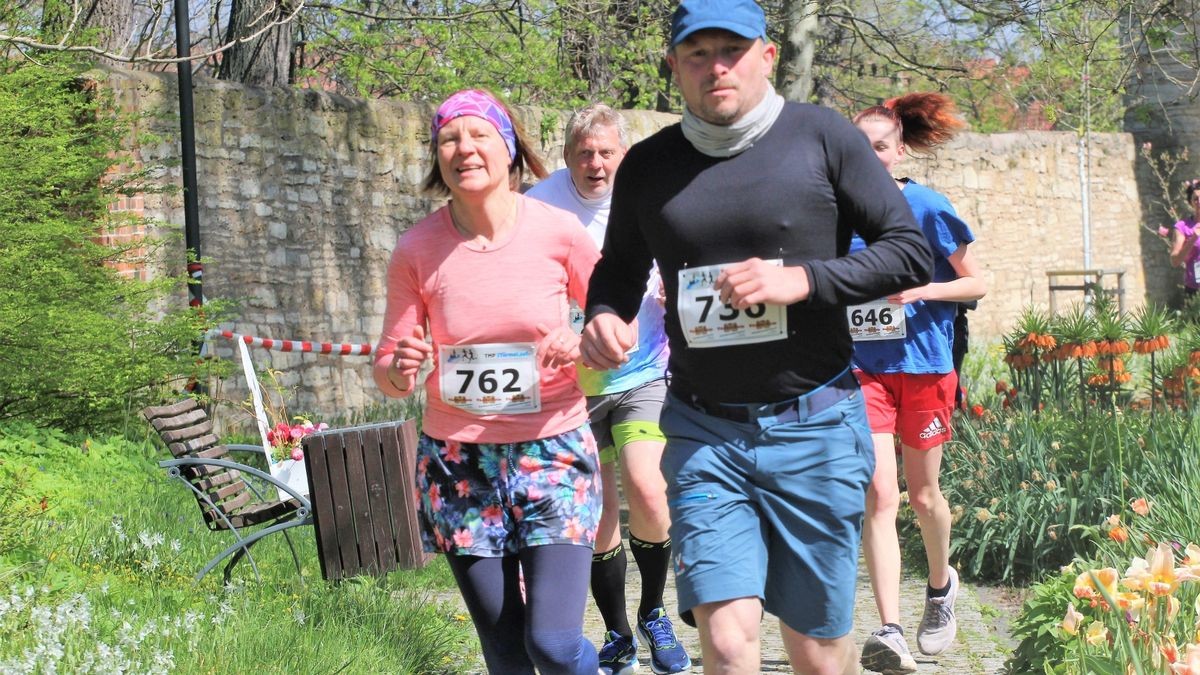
column 62, row 46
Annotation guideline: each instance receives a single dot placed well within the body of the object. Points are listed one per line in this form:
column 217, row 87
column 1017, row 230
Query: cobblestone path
column 979, row 648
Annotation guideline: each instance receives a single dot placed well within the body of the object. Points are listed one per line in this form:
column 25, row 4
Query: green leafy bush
column 80, row 343
column 21, row 510
column 1039, row 646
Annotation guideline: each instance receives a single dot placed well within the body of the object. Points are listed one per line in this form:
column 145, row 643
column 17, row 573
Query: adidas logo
column 935, row 428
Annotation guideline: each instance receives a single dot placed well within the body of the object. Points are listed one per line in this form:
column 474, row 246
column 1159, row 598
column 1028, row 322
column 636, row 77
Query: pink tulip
column 297, row 454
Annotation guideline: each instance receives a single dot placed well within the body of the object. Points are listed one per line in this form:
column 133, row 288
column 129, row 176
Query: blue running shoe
column 666, row 654
column 618, row 656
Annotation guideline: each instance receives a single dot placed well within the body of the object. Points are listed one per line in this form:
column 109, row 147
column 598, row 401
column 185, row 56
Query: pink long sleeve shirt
column 474, row 295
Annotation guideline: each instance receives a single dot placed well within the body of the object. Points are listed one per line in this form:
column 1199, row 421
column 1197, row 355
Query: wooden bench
column 362, row 485
column 225, row 489
column 1091, row 282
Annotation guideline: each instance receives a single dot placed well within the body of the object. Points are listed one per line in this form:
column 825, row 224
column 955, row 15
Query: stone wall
column 303, row 194
column 1163, row 112
column 1020, row 192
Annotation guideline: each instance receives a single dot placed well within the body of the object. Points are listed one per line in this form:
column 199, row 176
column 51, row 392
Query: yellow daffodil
column 1189, row 568
column 1072, row 620
column 1162, row 570
column 1097, row 633
column 1137, row 575
column 1131, row 602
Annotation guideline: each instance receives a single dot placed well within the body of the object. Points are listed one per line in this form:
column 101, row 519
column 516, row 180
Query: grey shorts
column 623, row 417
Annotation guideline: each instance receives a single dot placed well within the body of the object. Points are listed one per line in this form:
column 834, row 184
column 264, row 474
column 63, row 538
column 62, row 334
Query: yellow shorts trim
column 624, row 433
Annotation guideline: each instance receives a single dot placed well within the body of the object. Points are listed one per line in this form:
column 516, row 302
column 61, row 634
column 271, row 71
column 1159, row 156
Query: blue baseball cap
column 743, row 17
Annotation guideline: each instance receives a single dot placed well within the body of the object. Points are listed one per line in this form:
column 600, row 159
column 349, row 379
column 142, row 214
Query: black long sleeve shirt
column 796, row 194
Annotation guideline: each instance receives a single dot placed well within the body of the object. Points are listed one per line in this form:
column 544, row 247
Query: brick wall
column 127, row 229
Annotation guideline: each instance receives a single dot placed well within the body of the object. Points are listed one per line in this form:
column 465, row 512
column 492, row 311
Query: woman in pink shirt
column 507, row 468
column 1184, row 252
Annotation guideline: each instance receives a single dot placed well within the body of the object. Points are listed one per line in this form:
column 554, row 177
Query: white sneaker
column 886, row 651
column 938, row 626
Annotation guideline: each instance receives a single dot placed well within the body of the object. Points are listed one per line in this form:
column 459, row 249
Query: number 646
column 883, row 317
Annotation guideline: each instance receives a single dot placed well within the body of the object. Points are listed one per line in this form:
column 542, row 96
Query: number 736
column 730, row 313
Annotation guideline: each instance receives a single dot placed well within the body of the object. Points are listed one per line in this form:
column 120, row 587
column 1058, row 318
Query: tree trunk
column 108, row 24
column 794, row 78
column 264, row 61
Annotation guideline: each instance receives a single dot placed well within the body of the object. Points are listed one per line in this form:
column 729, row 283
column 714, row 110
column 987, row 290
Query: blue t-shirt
column 930, row 324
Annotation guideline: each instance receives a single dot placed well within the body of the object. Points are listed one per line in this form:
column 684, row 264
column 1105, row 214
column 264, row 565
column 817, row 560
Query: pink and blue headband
column 478, row 104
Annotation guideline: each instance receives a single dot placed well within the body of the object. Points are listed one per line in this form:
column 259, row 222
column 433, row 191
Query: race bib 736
column 708, row 322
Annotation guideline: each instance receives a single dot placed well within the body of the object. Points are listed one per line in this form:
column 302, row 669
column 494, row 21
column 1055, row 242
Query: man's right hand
column 606, row 338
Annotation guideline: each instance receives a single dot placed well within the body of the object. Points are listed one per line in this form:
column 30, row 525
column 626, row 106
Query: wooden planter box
column 363, row 491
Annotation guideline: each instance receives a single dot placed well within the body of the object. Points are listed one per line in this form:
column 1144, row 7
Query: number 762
column 487, row 382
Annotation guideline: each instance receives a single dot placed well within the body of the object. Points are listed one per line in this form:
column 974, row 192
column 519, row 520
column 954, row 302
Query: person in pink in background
column 507, row 469
column 1184, row 252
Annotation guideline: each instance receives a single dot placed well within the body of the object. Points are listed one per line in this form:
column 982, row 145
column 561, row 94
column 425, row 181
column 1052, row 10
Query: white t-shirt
column 649, row 361
column 558, row 190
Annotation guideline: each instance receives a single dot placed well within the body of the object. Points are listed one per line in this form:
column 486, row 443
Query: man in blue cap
column 748, row 206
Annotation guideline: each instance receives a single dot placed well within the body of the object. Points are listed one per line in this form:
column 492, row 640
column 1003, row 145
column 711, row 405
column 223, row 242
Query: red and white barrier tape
column 337, row 348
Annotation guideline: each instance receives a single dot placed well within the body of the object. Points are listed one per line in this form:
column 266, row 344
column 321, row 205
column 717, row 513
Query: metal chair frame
column 217, row 517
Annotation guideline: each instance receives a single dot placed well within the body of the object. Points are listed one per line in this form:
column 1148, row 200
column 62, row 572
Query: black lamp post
column 187, row 136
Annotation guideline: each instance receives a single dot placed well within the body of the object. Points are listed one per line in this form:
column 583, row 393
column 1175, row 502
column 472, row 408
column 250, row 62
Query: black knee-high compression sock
column 608, row 588
column 653, row 561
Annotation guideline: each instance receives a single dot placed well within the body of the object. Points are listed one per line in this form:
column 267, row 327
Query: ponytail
column 925, row 119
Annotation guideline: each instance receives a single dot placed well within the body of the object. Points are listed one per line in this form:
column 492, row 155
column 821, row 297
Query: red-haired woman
column 903, row 358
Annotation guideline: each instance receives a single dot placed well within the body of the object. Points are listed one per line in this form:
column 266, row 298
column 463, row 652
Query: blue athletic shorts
column 771, row 508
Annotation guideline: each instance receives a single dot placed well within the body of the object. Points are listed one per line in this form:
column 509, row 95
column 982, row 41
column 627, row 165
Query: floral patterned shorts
column 493, row 499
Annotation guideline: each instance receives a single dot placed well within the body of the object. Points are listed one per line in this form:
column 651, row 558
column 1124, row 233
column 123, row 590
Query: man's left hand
column 752, row 281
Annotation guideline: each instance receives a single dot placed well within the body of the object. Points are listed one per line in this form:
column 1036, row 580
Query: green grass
column 98, row 548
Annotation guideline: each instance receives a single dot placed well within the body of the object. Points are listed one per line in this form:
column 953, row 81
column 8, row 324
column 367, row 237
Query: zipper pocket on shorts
column 691, row 497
